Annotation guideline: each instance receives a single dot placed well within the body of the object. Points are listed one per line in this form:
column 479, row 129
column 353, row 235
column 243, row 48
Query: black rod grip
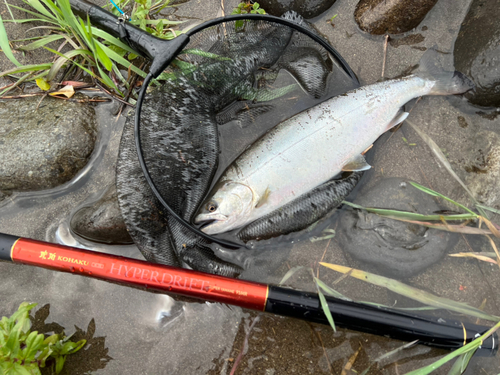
column 437, row 332
column 6, row 243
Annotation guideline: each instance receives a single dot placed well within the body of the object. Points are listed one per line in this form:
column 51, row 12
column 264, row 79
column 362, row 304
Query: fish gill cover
column 231, row 84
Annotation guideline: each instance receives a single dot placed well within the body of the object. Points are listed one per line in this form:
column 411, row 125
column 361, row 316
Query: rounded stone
column 43, row 144
column 101, row 221
column 380, row 17
column 477, row 52
column 390, row 247
column 306, row 8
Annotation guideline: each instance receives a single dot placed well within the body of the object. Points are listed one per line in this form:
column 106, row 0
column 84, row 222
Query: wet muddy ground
column 138, row 332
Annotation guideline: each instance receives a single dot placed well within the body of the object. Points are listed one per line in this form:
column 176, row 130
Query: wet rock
column 102, row 221
column 393, row 248
column 45, row 147
column 381, row 17
column 477, row 52
column 306, row 8
column 483, row 165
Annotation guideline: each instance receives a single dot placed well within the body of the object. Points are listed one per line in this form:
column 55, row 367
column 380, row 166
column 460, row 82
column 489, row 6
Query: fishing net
column 230, row 84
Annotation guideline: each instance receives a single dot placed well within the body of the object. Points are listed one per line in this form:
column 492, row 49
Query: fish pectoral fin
column 398, row 119
column 263, row 200
column 357, row 164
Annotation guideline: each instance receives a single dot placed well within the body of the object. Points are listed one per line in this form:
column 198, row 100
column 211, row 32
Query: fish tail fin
column 446, row 82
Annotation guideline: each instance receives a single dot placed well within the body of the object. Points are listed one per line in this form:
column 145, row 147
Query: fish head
column 228, row 208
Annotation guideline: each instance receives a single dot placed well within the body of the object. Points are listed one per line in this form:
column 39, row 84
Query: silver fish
column 312, row 147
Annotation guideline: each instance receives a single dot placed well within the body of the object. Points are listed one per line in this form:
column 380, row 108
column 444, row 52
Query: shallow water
column 148, row 333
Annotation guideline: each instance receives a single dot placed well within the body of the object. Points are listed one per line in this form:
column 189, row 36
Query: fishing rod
column 436, row 332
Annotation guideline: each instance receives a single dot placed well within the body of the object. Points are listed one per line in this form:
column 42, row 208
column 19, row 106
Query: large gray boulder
column 43, row 147
column 477, row 52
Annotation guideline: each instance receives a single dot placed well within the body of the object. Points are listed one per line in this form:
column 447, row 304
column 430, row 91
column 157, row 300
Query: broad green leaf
column 42, row 84
column 41, row 42
column 4, row 45
column 412, row 292
column 60, row 363
column 20, row 370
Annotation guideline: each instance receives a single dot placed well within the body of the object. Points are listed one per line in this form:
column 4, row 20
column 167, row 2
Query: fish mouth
column 207, row 221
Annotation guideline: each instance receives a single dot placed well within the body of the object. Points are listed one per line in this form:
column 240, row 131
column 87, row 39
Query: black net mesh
column 232, row 83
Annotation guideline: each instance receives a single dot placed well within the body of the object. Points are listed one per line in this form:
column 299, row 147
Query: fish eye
column 211, row 207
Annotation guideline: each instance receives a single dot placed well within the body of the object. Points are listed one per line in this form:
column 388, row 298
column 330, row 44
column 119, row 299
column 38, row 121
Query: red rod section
column 159, row 277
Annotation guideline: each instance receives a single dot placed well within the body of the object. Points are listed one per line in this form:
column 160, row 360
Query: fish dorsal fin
column 263, row 200
column 398, row 119
column 357, row 164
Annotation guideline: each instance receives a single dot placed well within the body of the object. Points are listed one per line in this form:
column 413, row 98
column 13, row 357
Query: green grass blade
column 412, row 292
column 290, row 273
column 120, row 60
column 40, row 17
column 488, row 208
column 79, row 65
column 436, row 194
column 41, row 9
column 103, row 58
column 26, row 68
column 472, row 346
column 41, row 42
column 461, row 363
column 199, row 52
column 61, row 61
column 326, row 309
column 111, row 39
column 411, row 215
column 330, row 291
column 5, row 46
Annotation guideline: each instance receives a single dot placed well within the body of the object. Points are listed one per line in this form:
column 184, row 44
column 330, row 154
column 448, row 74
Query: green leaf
column 436, row 194
column 4, row 44
column 62, row 60
column 41, row 42
column 326, row 309
column 132, row 56
column 60, row 363
column 412, row 292
column 472, row 346
column 20, row 370
column 199, row 52
column 41, row 9
column 290, row 273
column 120, row 60
column 412, row 215
column 330, row 291
column 461, row 363
column 255, row 6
